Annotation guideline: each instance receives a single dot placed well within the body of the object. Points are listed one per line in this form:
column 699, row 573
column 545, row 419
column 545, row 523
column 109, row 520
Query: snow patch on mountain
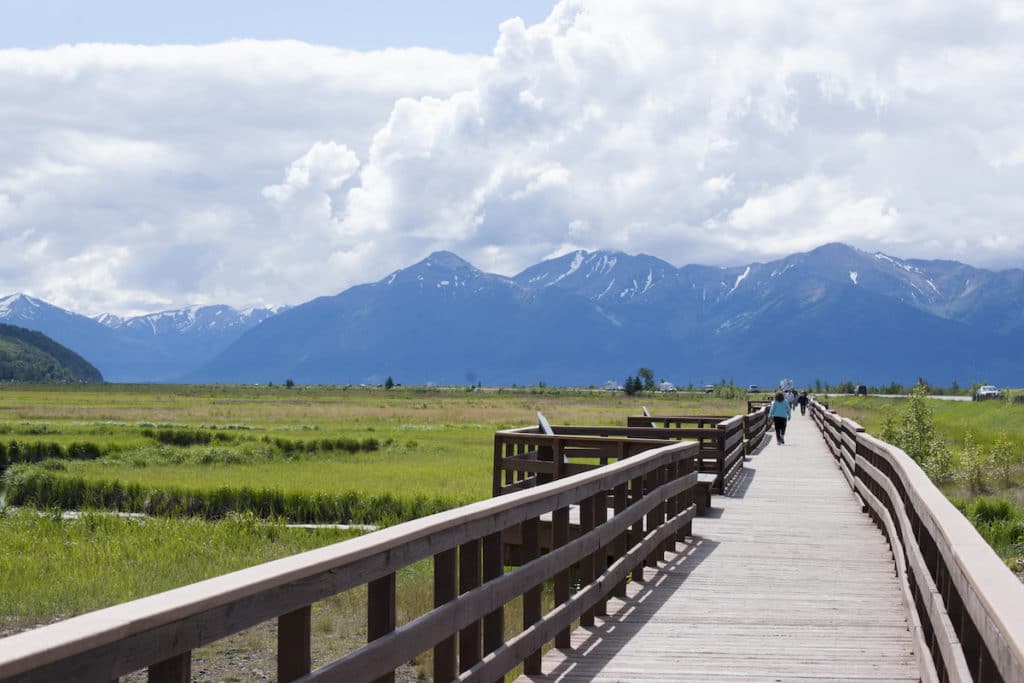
column 577, row 261
column 739, row 279
column 853, row 276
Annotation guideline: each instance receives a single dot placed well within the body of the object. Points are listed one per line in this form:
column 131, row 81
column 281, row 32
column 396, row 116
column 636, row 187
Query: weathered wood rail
column 528, row 456
column 967, row 607
column 652, row 494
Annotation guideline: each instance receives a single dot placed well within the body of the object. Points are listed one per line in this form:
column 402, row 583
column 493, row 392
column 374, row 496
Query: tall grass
column 54, row 567
column 42, row 488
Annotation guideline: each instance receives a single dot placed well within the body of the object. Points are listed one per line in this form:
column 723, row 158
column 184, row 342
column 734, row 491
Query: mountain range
column 159, row 347
column 832, row 313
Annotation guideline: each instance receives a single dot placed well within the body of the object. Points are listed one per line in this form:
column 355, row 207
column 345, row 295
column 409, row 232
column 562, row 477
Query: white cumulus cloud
column 253, row 171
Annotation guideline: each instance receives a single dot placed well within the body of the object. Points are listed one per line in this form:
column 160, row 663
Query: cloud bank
column 137, row 177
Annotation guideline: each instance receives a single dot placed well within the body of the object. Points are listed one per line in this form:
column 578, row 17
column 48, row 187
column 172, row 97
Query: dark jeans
column 780, row 427
column 803, row 408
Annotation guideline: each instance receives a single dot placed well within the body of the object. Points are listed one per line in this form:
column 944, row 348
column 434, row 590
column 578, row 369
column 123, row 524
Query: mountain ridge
column 584, row 316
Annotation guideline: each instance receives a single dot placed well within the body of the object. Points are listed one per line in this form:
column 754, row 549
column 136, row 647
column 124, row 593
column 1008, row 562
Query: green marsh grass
column 55, row 568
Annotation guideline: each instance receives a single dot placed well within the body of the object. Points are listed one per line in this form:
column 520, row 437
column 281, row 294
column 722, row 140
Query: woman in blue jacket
column 780, row 413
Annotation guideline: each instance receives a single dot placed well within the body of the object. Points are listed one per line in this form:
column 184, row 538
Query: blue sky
column 454, row 25
column 156, row 155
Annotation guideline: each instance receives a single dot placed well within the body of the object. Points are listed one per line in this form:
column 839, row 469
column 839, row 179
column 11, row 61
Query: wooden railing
column 967, row 607
column 724, row 440
column 653, row 504
column 527, row 457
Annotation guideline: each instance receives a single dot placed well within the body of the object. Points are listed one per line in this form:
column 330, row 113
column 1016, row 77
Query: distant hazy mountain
column 30, row 356
column 834, row 313
column 152, row 348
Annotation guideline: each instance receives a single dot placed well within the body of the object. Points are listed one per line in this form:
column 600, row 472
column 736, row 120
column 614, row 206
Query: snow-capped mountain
column 195, row 320
column 834, row 312
column 149, row 348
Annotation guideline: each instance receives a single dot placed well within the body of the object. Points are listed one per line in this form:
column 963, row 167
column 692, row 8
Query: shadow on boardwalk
column 610, row 634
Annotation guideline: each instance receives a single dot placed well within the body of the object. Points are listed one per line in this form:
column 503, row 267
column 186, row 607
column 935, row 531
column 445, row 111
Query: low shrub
column 180, row 437
column 291, row 447
column 16, row 452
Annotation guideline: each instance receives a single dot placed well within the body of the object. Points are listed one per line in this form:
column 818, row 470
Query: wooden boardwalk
column 786, row 580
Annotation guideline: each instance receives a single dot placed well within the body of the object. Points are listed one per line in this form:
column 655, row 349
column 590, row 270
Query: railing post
column 494, row 567
column 637, row 530
column 532, row 596
column 496, row 475
column 689, row 496
column 559, row 537
column 469, row 578
column 381, row 611
column 620, row 504
column 293, row 644
column 445, row 590
column 652, row 518
column 177, row 669
column 587, row 563
column 601, row 556
column 678, row 503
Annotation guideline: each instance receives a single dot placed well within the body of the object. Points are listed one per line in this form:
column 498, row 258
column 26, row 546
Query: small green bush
column 985, row 510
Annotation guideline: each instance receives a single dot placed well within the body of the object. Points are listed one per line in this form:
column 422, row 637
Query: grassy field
column 304, row 444
column 430, row 443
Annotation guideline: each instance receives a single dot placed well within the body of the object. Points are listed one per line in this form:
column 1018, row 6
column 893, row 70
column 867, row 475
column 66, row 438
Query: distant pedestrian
column 802, row 400
column 780, row 413
column 791, row 399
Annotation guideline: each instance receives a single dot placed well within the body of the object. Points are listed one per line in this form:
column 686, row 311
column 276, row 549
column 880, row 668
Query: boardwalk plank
column 786, row 580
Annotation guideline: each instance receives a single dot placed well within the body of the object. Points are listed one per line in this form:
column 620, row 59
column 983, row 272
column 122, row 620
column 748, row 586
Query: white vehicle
column 988, row 391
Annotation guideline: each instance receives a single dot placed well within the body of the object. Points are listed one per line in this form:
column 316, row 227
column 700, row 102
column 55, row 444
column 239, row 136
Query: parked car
column 861, row 390
column 709, row 388
column 986, row 391
column 753, row 389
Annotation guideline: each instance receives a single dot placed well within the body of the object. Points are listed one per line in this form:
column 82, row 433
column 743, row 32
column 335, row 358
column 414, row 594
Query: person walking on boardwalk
column 802, row 400
column 780, row 413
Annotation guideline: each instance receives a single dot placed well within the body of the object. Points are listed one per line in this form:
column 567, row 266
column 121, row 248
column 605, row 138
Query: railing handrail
column 301, row 579
column 991, row 596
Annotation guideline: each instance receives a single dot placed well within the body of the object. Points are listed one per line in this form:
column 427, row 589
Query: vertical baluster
column 293, row 644
column 469, row 578
column 381, row 613
column 532, row 596
column 445, row 590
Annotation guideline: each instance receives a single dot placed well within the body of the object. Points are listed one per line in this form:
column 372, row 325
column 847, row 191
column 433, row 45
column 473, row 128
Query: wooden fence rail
column 967, row 607
column 653, row 495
